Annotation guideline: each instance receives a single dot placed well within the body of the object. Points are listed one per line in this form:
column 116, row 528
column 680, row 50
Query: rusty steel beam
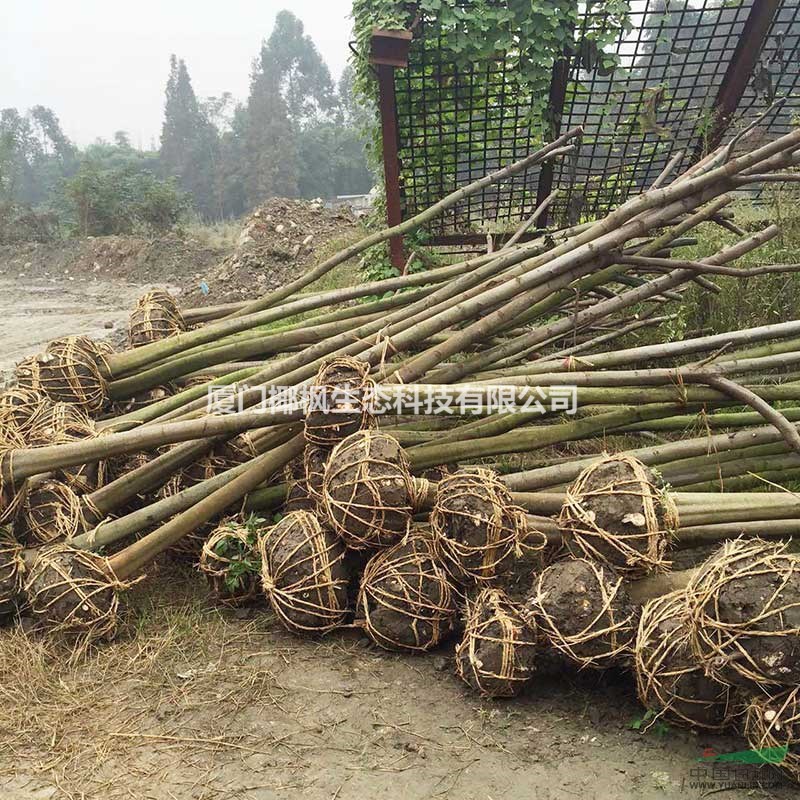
column 389, row 50
column 555, row 105
column 740, row 69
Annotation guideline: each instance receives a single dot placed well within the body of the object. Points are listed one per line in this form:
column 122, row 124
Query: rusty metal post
column 741, row 66
column 555, row 105
column 390, row 51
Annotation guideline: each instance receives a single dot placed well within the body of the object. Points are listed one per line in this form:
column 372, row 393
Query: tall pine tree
column 189, row 143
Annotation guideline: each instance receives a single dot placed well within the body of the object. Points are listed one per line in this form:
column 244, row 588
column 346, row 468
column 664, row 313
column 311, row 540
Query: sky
column 102, row 66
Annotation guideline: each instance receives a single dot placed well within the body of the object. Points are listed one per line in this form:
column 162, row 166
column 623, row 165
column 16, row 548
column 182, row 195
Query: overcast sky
column 102, row 66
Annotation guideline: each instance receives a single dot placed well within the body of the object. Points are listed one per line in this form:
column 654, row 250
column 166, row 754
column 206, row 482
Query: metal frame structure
column 686, row 75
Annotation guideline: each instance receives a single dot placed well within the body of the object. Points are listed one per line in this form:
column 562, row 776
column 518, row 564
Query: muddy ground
column 194, row 702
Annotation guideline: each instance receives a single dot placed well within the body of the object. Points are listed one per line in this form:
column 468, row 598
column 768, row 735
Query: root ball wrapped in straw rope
column 231, row 562
column 342, row 391
column 583, row 609
column 669, row 679
column 155, row 317
column 67, row 374
column 305, row 574
column 772, row 726
column 315, row 459
column 406, row 601
column 73, row 592
column 12, row 569
column 745, row 603
column 497, row 654
column 50, row 513
column 478, row 530
column 19, row 407
column 615, row 514
column 368, row 492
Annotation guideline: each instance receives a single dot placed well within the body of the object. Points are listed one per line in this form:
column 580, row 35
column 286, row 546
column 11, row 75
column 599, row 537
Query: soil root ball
column 585, row 613
column 50, row 513
column 615, row 514
column 341, row 396
column 406, row 601
column 19, row 408
column 143, row 399
column 497, row 654
column 745, row 603
column 231, row 563
column 155, row 317
column 238, row 450
column 73, row 592
column 315, row 459
column 12, row 569
column 304, row 574
column 772, row 726
column 68, row 374
column 669, row 678
column 479, row 532
column 368, row 491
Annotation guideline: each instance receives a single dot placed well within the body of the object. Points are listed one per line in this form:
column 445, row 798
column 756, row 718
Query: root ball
column 615, row 514
column 19, row 408
column 477, row 528
column 340, row 397
column 155, row 317
column 584, row 610
column 12, row 568
column 51, row 512
column 231, row 563
column 772, row 724
column 497, row 654
column 68, row 375
column 745, row 603
column 669, row 679
column 406, row 601
column 315, row 459
column 304, row 574
column 368, row 492
column 73, row 592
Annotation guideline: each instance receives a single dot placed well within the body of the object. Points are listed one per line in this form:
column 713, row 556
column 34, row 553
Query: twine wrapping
column 304, row 574
column 496, row 656
column 669, row 679
column 774, row 722
column 406, row 601
column 19, row 407
column 236, row 451
column 12, row 496
column 155, row 317
column 584, row 611
column 745, row 614
column 231, row 563
column 67, row 374
column 315, row 459
column 341, row 393
column 478, row 531
column 74, row 592
column 51, row 512
column 12, row 570
column 368, row 490
column 614, row 514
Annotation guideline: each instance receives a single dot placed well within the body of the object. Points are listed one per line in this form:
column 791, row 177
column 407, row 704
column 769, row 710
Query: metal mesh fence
column 456, row 125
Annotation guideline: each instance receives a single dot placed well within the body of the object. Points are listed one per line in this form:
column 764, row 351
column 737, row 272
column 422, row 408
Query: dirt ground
column 196, row 702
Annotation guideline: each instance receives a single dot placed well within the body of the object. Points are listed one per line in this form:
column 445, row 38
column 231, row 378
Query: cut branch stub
column 669, row 679
column 340, row 396
column 584, row 610
column 478, row 531
column 51, row 512
column 772, row 726
column 305, row 574
column 368, row 491
column 615, row 514
column 406, row 601
column 12, row 569
column 745, row 613
column 73, row 592
column 155, row 317
column 231, row 562
column 497, row 653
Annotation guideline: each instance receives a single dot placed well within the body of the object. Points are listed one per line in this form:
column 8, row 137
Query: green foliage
column 103, row 201
column 243, row 555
